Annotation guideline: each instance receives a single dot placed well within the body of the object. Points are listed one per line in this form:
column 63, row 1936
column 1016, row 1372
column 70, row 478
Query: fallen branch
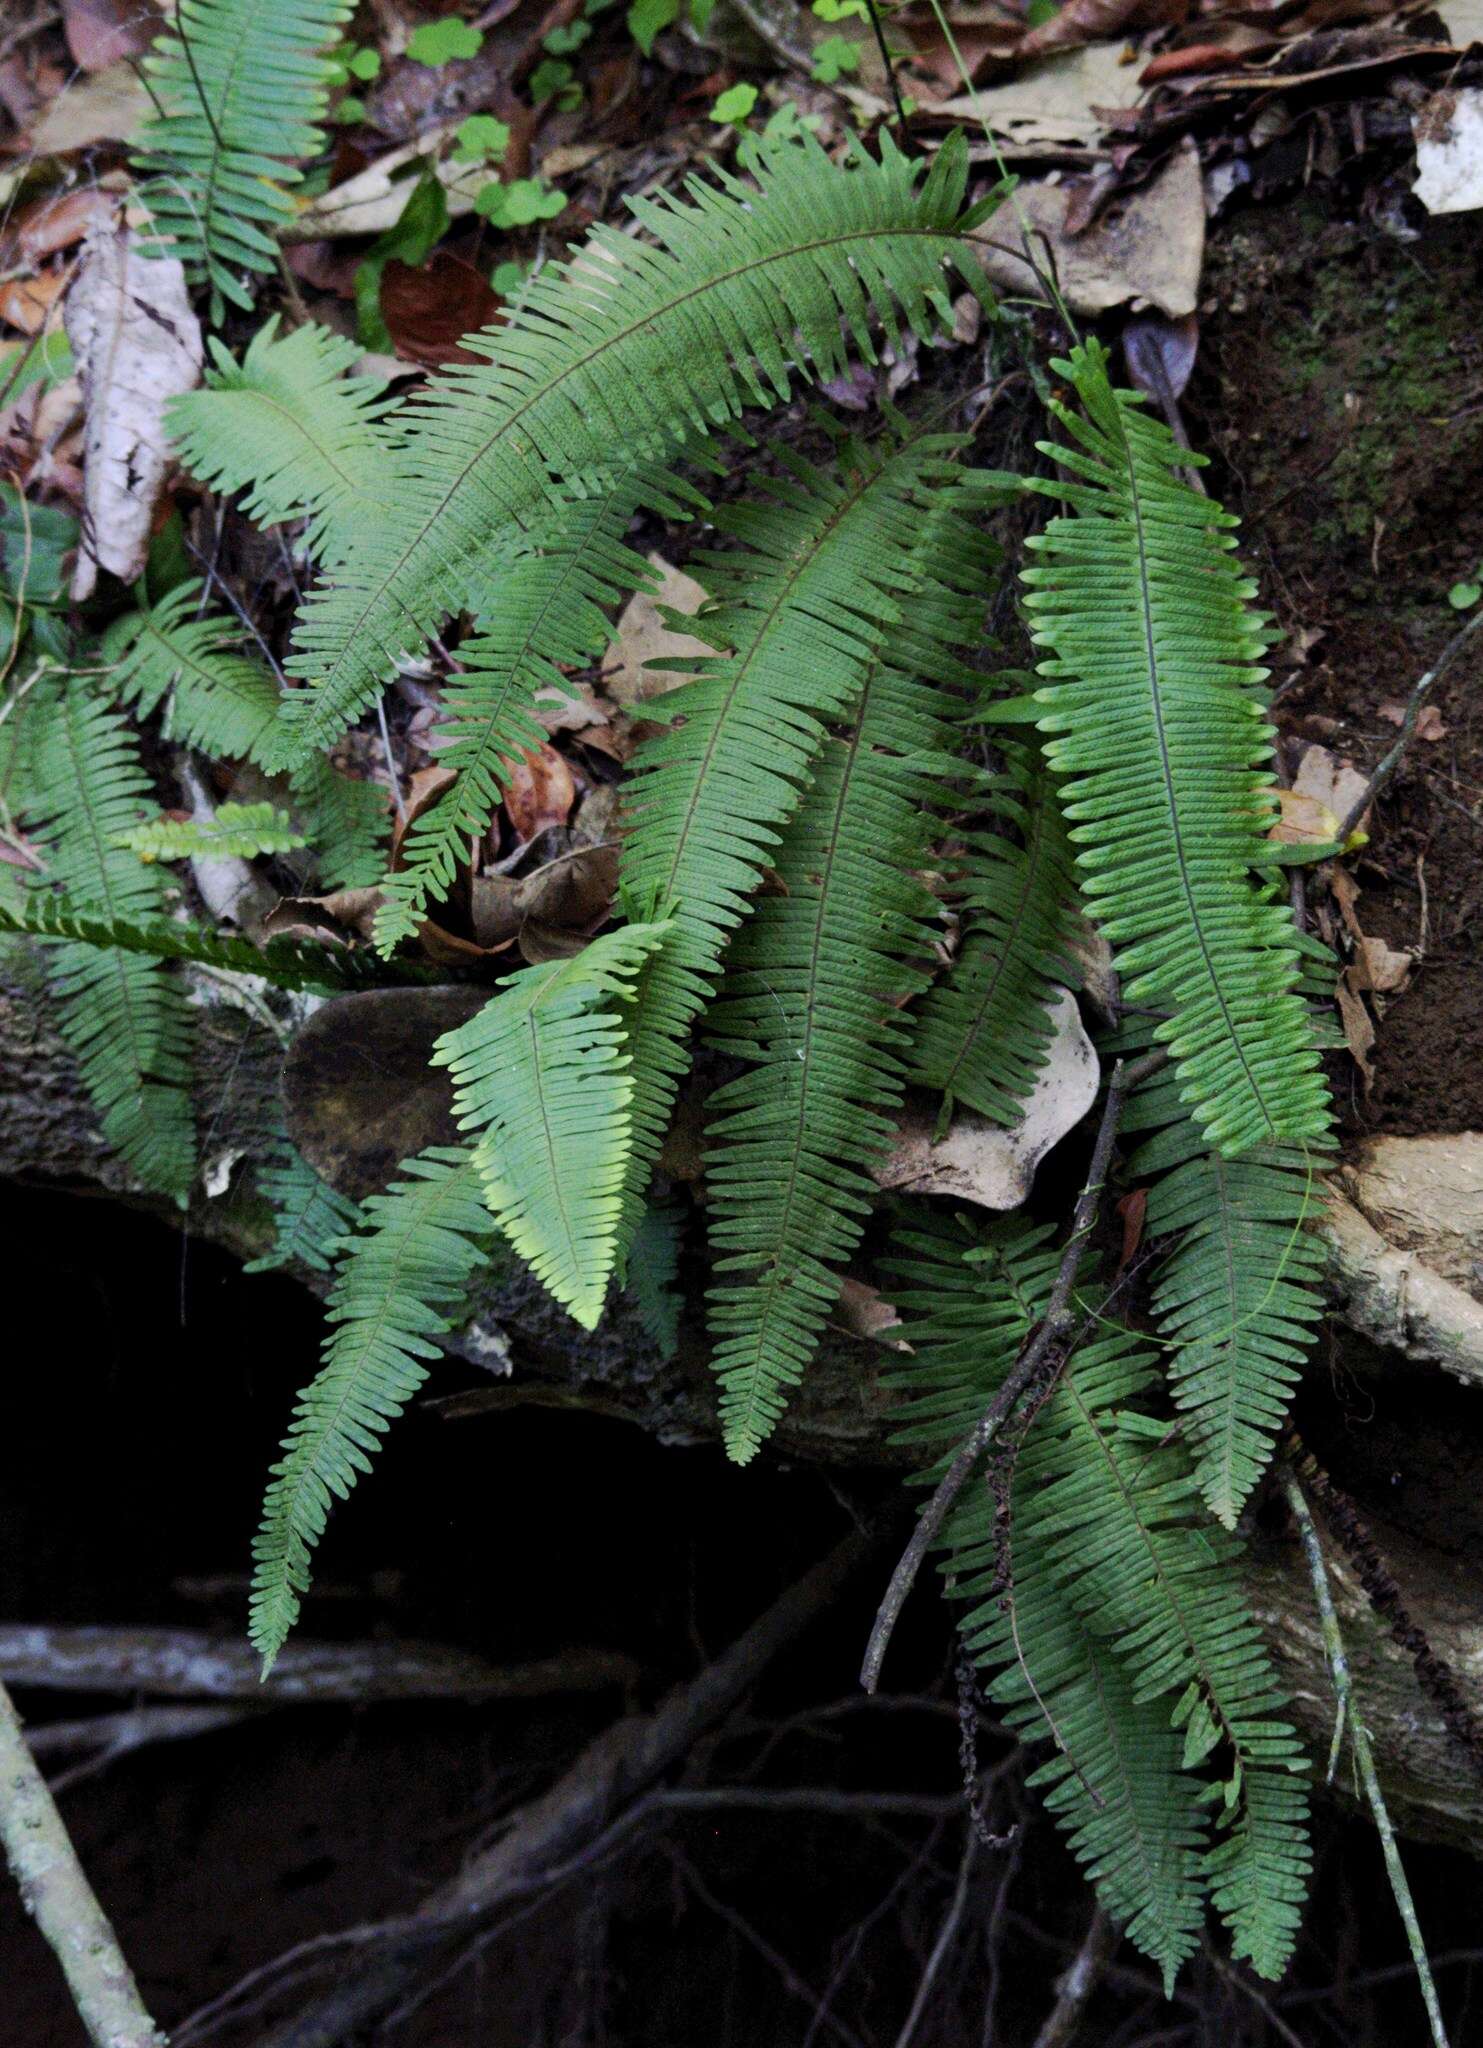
column 61, row 1901
column 1390, row 761
column 101, row 1739
column 1073, row 1993
column 186, row 1664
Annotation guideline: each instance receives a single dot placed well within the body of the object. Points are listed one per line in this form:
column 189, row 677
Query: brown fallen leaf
column 541, row 792
column 644, row 637
column 338, row 919
column 25, row 302
column 1098, row 21
column 863, row 1311
column 1302, row 820
column 106, row 107
column 572, row 708
column 1359, row 1027
column 61, row 221
column 137, row 345
column 1332, row 780
column 1160, row 354
column 104, row 32
column 1429, row 722
column 1379, row 968
column 429, row 307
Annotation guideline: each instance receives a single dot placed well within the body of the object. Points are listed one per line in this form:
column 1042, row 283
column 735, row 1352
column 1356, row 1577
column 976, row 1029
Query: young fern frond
column 804, row 606
column 232, row 832
column 310, row 1218
column 221, row 700
column 291, row 433
column 1159, row 732
column 816, row 983
column 542, row 1073
column 241, row 86
column 403, row 1283
column 1104, row 1517
column 1238, row 1299
column 984, row 1031
column 625, row 353
column 124, row 1016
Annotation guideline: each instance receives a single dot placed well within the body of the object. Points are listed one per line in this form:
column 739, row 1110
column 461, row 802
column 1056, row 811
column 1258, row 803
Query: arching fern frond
column 124, row 1017
column 292, row 433
column 633, row 348
column 232, row 832
column 1160, row 732
column 542, row 1072
column 310, row 1218
column 242, row 86
column 1238, row 1298
column 815, row 989
column 403, row 1283
column 984, row 1031
column 804, row 606
column 1104, row 1516
column 221, row 700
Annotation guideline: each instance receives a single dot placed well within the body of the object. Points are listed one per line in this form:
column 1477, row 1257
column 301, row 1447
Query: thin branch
column 1078, row 1983
column 1392, row 760
column 1058, row 1325
column 1359, row 1740
column 62, row 1902
column 886, row 58
column 947, row 1934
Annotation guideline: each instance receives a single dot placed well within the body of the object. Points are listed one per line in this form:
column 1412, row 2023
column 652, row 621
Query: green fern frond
column 232, row 832
column 815, row 993
column 345, row 820
column 310, row 1218
column 1105, row 1542
column 291, row 433
column 542, row 1071
column 1238, row 1299
column 984, row 1031
column 241, row 86
column 1160, row 733
column 125, row 1017
column 804, row 605
column 403, row 1283
column 632, row 349
column 654, row 1273
column 221, row 700
column 287, row 963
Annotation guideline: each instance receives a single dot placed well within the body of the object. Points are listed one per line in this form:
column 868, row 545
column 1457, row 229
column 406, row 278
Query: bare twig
column 1392, row 760
column 1359, row 1740
column 193, row 1664
column 947, row 1934
column 102, row 1739
column 1078, row 1983
column 1058, row 1325
column 61, row 1901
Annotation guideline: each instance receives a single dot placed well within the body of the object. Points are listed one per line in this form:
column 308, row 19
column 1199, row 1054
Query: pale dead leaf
column 1332, row 780
column 1346, row 895
column 982, row 1162
column 106, row 107
column 1449, row 151
column 1050, row 105
column 863, row 1311
column 137, row 345
column 573, row 708
column 1380, row 968
column 643, row 637
column 1429, row 722
column 1302, row 820
column 1359, row 1028
column 373, row 199
column 1147, row 247
column 26, row 301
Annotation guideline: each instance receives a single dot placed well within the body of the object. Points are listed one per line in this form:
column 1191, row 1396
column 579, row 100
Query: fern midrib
column 1147, row 1861
column 321, row 449
column 1033, row 854
column 572, row 369
column 1229, row 1378
column 1166, row 769
column 244, row 24
column 573, row 1255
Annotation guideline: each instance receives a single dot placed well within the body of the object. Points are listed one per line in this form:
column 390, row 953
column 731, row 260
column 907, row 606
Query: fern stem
column 1364, row 1756
column 1048, row 1347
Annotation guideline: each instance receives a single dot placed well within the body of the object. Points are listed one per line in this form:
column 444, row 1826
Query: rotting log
column 526, row 1346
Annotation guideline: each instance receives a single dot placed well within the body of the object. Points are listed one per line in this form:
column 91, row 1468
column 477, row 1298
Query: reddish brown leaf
column 103, row 32
column 1133, row 1208
column 1185, row 63
column 59, row 222
column 541, row 792
column 429, row 308
column 1099, row 21
column 26, row 301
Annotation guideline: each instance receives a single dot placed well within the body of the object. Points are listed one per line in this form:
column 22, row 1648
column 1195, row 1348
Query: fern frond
column 402, row 1285
column 241, row 86
column 815, row 989
column 232, row 832
column 221, row 700
column 124, row 1017
column 984, row 1031
column 1160, row 731
column 632, row 349
column 804, row 605
column 654, row 1272
column 292, row 434
column 1238, row 1299
column 345, row 820
column 310, row 1217
column 1104, row 1512
column 543, row 1073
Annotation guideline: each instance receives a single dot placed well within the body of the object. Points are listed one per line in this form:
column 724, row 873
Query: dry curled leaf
column 540, row 793
column 1302, row 820
column 25, row 302
column 137, row 345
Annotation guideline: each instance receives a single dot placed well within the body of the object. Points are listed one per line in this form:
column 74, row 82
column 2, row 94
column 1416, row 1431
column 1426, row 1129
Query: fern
column 291, row 434
column 984, row 1032
column 233, row 832
column 310, row 1218
column 814, row 994
column 543, row 1073
column 241, row 86
column 123, row 1016
column 654, row 1272
column 346, row 822
column 805, row 607
column 1238, row 1299
column 626, row 353
column 1110, row 1615
column 220, row 700
column 402, row 1284
column 1160, row 732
